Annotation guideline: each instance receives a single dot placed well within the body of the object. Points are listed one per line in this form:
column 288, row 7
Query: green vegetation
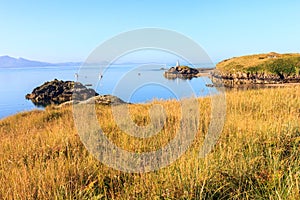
column 257, row 155
column 283, row 67
column 280, row 64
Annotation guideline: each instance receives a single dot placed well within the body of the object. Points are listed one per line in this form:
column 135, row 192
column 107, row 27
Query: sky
column 60, row 31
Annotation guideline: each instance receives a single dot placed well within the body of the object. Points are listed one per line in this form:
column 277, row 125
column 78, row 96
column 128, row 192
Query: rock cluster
column 57, row 92
column 184, row 72
column 239, row 78
column 64, row 93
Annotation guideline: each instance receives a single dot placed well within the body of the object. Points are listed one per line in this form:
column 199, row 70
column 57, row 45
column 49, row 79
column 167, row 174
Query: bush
column 282, row 67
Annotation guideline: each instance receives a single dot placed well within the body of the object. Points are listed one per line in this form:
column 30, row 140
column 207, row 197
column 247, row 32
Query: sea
column 135, row 83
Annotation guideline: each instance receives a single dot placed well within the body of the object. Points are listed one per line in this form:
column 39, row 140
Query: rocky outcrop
column 184, row 72
column 57, row 92
column 104, row 100
column 100, row 100
column 240, row 79
column 64, row 93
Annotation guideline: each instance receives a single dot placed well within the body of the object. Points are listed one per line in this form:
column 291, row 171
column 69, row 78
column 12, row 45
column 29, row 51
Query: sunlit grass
column 257, row 155
column 257, row 62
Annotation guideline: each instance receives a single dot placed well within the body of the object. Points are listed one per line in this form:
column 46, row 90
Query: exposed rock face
column 57, row 92
column 104, row 100
column 239, row 78
column 181, row 72
column 101, row 100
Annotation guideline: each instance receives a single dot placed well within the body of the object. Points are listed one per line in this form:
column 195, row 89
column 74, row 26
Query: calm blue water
column 132, row 84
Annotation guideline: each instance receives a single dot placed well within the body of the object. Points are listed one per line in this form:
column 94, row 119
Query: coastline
column 240, row 79
column 108, row 99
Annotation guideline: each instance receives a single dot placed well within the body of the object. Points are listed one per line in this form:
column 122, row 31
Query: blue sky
column 58, row 31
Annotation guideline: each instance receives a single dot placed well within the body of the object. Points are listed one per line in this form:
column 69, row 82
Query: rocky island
column 181, row 71
column 58, row 92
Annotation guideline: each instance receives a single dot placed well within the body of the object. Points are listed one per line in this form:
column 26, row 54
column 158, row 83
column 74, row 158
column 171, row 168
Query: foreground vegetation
column 271, row 63
column 257, row 155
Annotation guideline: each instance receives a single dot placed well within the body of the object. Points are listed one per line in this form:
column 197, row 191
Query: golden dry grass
column 257, row 155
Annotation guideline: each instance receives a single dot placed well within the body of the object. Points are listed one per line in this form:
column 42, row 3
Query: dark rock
column 57, row 92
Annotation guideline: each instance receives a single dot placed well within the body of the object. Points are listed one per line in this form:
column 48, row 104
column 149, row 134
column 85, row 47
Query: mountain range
column 7, row 61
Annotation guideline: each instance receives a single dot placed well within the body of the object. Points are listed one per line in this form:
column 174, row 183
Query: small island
column 181, row 71
column 58, row 92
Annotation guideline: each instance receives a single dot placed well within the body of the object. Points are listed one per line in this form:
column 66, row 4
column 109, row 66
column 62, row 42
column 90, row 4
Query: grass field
column 256, row 157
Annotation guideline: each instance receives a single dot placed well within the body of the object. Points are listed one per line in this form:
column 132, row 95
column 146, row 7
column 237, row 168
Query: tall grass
column 256, row 157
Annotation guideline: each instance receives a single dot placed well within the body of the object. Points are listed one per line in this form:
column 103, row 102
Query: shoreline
column 238, row 88
column 240, row 79
column 263, row 86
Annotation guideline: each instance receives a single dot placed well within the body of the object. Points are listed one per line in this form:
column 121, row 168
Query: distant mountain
column 7, row 61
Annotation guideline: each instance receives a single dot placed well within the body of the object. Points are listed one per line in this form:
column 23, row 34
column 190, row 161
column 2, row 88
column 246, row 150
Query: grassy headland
column 257, row 155
column 270, row 63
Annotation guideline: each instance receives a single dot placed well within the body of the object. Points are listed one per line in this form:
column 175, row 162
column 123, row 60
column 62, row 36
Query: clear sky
column 62, row 30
